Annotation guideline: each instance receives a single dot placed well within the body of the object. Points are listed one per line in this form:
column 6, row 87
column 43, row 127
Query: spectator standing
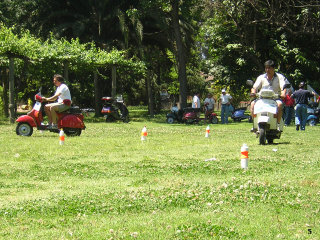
column 225, row 106
column 288, row 107
column 209, row 105
column 301, row 97
column 196, row 103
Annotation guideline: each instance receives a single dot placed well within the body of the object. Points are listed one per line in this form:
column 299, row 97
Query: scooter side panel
column 27, row 119
column 265, row 105
column 71, row 121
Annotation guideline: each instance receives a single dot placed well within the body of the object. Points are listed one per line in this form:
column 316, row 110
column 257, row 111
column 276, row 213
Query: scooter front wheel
column 262, row 135
column 24, row 129
column 170, row 120
column 312, row 122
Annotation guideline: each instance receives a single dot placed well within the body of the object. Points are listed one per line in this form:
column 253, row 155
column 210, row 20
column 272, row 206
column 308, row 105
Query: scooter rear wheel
column 72, row 132
column 214, row 120
column 24, row 129
column 109, row 119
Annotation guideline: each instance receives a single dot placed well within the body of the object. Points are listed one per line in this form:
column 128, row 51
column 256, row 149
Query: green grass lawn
column 107, row 184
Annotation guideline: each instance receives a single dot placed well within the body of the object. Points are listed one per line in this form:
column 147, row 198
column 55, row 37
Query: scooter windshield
column 267, row 92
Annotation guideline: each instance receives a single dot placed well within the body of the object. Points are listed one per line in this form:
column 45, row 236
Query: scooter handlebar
column 38, row 98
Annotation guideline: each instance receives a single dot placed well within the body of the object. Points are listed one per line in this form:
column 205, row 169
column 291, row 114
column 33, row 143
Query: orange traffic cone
column 61, row 137
column 144, row 134
column 207, row 131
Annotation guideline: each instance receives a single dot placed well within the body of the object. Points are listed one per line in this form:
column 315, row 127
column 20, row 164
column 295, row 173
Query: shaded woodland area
column 142, row 47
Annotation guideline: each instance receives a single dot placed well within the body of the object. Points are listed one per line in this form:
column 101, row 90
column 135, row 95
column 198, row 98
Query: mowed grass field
column 107, row 184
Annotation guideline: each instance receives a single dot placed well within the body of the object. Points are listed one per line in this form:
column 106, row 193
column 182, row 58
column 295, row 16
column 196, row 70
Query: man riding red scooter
column 60, row 115
column 63, row 96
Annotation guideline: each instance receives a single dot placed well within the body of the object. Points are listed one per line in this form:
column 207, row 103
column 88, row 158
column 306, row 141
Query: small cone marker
column 61, row 137
column 207, row 131
column 244, row 156
column 144, row 134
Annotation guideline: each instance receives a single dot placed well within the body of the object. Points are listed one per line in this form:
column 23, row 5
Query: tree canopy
column 159, row 44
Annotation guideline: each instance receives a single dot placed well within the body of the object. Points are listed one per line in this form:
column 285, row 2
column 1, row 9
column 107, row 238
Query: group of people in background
column 290, row 103
column 209, row 102
column 296, row 103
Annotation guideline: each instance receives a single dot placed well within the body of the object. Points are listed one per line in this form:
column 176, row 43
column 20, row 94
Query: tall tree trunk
column 182, row 75
column 114, row 81
column 5, row 98
column 97, row 94
column 11, row 90
column 150, row 95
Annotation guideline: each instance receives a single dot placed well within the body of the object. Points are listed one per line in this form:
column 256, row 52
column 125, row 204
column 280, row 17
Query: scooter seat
column 73, row 110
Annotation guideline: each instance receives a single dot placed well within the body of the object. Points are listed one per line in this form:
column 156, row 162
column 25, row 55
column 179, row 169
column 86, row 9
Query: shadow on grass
column 281, row 143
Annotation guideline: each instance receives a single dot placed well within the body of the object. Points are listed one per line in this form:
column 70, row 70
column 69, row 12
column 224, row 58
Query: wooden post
column 114, row 81
column 150, row 95
column 11, row 91
column 5, row 98
column 97, row 97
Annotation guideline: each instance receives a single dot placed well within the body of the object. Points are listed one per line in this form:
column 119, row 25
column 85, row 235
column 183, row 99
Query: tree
column 238, row 36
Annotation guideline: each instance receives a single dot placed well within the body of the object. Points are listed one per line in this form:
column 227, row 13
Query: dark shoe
column 297, row 127
column 53, row 127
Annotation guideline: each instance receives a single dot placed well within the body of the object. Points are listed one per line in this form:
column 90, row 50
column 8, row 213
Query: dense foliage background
column 161, row 44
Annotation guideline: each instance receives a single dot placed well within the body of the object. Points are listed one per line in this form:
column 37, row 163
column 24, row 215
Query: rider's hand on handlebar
column 253, row 95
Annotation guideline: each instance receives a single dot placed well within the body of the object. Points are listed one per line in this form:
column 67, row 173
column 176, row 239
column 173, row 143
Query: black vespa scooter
column 111, row 109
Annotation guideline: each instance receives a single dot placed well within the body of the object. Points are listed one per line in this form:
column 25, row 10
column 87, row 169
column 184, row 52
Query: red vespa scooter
column 70, row 120
column 191, row 116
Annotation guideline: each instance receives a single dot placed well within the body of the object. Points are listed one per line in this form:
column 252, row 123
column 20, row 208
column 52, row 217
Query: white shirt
column 195, row 102
column 65, row 93
column 277, row 82
column 225, row 98
column 175, row 109
column 209, row 102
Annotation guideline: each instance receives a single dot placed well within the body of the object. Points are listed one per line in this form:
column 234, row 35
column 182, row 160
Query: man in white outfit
column 64, row 101
column 274, row 80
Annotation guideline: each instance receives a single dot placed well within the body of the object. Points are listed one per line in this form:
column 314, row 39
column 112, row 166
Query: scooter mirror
column 249, row 82
column 287, row 85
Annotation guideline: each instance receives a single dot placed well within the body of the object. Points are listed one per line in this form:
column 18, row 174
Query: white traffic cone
column 144, row 134
column 244, row 156
column 61, row 137
column 207, row 131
